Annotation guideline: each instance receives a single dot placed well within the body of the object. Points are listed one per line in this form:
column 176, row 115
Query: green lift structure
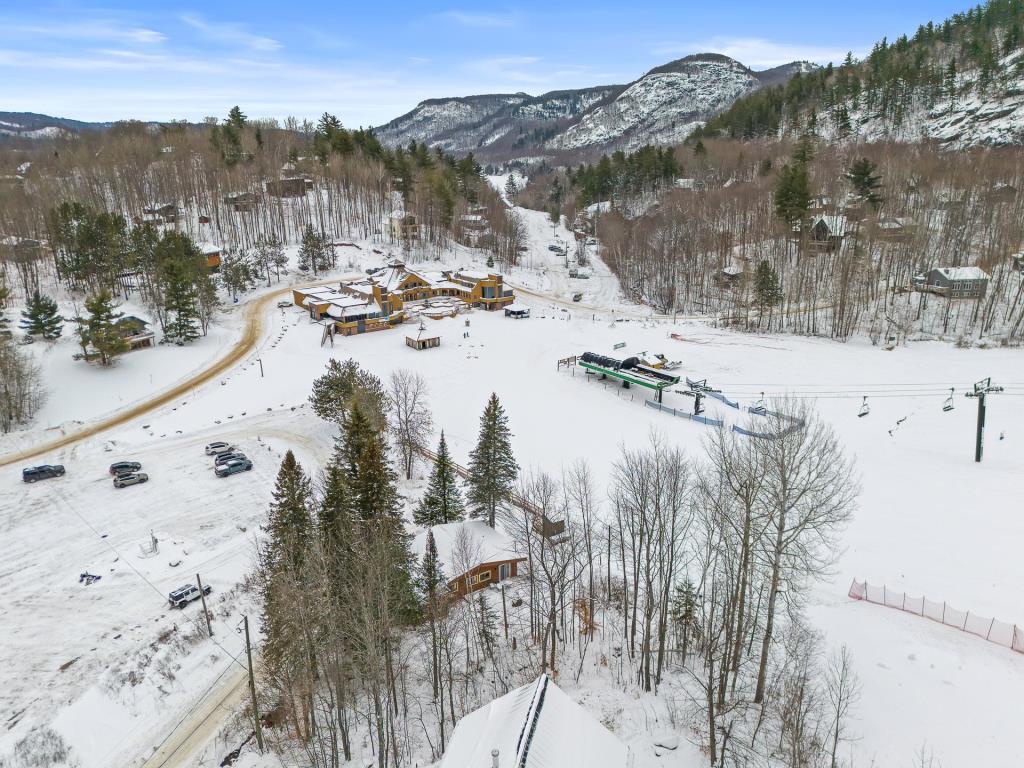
column 629, row 371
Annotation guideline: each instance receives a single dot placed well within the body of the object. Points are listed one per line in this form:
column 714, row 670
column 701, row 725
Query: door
column 504, row 571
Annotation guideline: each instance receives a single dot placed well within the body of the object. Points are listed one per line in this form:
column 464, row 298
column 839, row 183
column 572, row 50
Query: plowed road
column 251, row 334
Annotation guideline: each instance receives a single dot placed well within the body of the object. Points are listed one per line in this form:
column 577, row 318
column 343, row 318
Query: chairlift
column 759, row 407
column 865, row 409
column 948, row 405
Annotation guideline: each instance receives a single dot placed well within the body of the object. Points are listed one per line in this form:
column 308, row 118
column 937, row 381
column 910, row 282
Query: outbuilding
column 517, row 311
column 472, row 555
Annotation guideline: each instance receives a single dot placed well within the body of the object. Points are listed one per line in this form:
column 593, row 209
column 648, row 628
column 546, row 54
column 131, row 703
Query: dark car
column 132, row 478
column 42, row 472
column 226, row 458
column 124, row 467
column 233, row 468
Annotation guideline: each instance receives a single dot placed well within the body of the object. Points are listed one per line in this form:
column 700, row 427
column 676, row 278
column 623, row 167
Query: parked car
column 26, row 340
column 182, row 596
column 577, row 297
column 284, row 304
column 124, row 467
column 233, row 467
column 42, row 472
column 224, row 458
column 219, row 447
column 555, row 248
column 132, row 478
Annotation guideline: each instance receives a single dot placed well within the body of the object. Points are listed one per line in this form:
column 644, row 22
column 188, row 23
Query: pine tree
column 5, row 294
column 511, row 189
column 289, row 523
column 766, row 285
column 101, row 329
column 492, row 466
column 490, row 261
column 442, row 503
column 343, row 385
column 865, row 181
column 40, row 318
column 792, row 194
column 362, row 454
column 684, row 605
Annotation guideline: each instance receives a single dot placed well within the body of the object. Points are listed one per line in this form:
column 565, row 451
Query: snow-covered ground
column 930, row 521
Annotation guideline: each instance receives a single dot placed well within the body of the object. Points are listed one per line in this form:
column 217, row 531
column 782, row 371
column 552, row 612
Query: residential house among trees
column 404, row 226
column 955, row 282
column 471, row 554
column 135, row 331
column 160, row 213
column 292, row 186
column 212, row 254
column 535, row 726
column 827, row 232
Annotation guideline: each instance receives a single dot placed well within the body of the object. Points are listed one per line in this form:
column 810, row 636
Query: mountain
column 661, row 107
column 30, row 125
column 958, row 83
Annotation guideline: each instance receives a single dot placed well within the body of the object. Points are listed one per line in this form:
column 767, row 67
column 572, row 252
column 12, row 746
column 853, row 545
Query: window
column 485, row 576
column 504, row 571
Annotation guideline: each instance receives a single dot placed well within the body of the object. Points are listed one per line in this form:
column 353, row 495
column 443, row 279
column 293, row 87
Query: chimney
column 494, row 758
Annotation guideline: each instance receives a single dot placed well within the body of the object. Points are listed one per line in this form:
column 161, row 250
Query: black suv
column 42, row 472
column 124, row 467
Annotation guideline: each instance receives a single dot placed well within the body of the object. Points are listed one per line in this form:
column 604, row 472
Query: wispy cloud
column 482, row 20
column 230, row 33
column 754, row 51
column 88, row 30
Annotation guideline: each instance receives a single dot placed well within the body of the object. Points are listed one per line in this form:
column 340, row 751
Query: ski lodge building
column 472, row 555
column 535, row 726
column 379, row 300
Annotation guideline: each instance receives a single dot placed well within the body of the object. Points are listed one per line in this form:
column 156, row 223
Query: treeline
column 212, row 183
column 894, row 211
column 890, row 82
column 625, row 174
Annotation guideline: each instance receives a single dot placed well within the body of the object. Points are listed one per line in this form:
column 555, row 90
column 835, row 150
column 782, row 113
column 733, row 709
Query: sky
column 370, row 62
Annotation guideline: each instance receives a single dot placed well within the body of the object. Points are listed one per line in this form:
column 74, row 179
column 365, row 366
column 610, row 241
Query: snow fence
column 683, row 414
column 999, row 632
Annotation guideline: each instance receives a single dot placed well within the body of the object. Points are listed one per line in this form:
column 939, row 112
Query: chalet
column 242, row 202
column 535, row 726
column 404, row 226
column 212, row 253
column 898, row 229
column 161, row 213
column 474, row 228
column 729, row 276
column 135, row 331
column 472, row 555
column 955, row 282
column 291, row 186
column 826, row 232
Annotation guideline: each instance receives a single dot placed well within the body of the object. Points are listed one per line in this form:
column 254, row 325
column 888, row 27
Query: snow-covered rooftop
column 464, row 545
column 963, row 273
column 535, row 726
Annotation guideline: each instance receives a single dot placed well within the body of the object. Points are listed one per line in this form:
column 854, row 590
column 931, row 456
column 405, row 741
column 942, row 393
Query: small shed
column 517, row 311
column 422, row 340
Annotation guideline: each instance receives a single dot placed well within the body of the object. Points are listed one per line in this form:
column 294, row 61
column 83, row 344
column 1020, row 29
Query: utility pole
column 206, row 613
column 982, row 389
column 252, row 689
column 260, row 361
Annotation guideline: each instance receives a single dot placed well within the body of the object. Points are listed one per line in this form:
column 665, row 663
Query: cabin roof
column 464, row 545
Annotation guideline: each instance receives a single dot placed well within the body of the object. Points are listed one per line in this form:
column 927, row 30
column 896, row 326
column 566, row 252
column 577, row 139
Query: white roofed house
column 955, row 282
column 827, row 232
column 472, row 555
column 535, row 726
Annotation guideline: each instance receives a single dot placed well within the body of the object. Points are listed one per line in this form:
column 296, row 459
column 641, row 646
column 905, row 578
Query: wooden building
column 472, row 555
column 955, row 282
column 242, row 202
column 293, row 186
column 135, row 331
column 404, row 226
column 212, row 253
column 423, row 339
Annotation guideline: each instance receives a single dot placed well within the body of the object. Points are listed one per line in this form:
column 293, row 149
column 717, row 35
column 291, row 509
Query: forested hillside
column 957, row 81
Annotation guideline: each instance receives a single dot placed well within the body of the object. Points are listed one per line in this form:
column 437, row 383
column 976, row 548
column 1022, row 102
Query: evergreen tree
column 5, row 294
column 683, row 610
column 100, row 329
column 792, row 194
column 343, row 385
column 289, row 523
column 335, row 516
column 370, row 476
column 442, row 502
column 40, row 318
column 865, row 181
column 492, row 467
column 315, row 253
column 766, row 285
column 511, row 189
column 490, row 261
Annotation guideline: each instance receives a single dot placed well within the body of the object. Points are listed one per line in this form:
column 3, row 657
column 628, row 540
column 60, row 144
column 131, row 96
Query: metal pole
column 252, row 689
column 979, row 441
column 206, row 613
column 260, row 361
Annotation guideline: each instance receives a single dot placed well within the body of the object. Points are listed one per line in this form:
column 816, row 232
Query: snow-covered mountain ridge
column 661, row 107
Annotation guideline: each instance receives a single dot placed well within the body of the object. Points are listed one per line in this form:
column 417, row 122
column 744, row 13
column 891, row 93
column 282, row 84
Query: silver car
column 132, row 478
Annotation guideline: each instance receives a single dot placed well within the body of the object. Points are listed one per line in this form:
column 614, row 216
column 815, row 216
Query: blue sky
column 370, row 62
